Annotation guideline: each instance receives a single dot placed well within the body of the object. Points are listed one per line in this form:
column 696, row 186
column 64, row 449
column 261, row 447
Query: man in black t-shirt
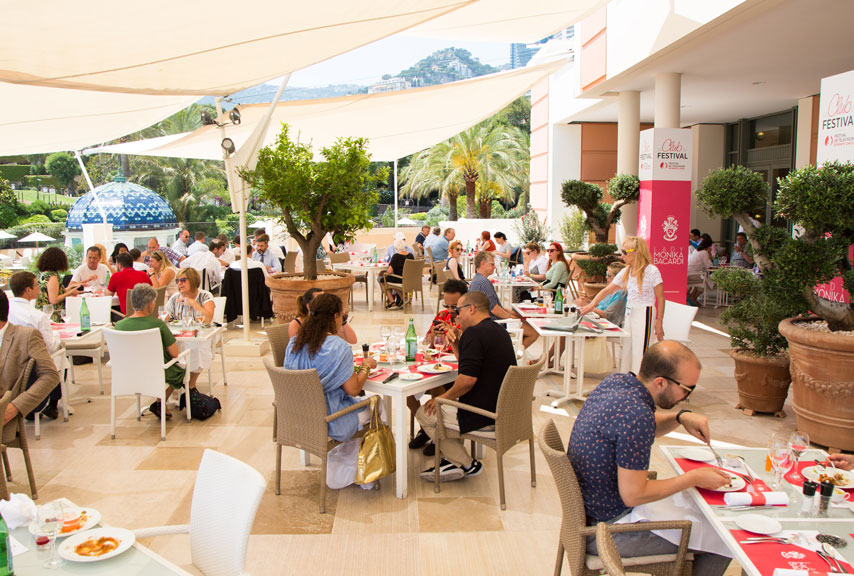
column 485, row 352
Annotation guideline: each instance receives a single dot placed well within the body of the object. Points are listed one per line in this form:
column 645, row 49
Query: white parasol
column 6, row 236
column 37, row 237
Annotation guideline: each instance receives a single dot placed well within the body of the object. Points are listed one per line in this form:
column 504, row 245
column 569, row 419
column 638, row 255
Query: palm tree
column 490, row 150
column 428, row 172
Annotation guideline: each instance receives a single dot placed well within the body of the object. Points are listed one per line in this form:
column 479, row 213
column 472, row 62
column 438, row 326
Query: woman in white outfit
column 191, row 302
column 642, row 281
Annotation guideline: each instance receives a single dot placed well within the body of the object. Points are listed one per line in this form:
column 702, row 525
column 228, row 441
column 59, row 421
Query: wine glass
column 48, row 310
column 781, row 458
column 161, row 312
column 385, row 332
column 798, row 443
column 439, row 342
column 50, row 520
column 65, row 315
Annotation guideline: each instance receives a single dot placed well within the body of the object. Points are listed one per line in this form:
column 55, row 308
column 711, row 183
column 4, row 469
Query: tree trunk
column 125, row 162
column 485, row 208
column 759, row 257
column 471, row 207
column 452, row 207
column 309, row 248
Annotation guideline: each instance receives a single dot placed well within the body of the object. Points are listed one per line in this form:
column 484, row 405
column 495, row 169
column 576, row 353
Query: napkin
column 18, row 511
column 790, row 572
column 756, row 499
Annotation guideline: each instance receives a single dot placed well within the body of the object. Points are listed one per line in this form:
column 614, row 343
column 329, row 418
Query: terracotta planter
column 763, row 383
column 286, row 288
column 591, row 289
column 822, row 366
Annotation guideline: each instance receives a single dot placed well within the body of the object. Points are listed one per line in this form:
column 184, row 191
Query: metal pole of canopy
column 395, row 192
column 91, row 186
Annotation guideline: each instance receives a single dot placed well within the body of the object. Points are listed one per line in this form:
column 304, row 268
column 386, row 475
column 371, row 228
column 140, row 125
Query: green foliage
column 387, row 219
column 517, row 114
column 39, row 180
column 58, row 215
column 587, row 197
column 436, row 214
column 497, row 210
column 819, row 199
column 624, row 187
column 386, row 196
column 601, row 256
column 573, row 230
column 229, row 224
column 603, row 250
column 758, row 308
column 75, row 256
column 730, row 191
column 530, row 229
column 418, row 216
column 8, row 204
column 63, row 167
column 315, row 198
column 436, row 69
column 14, row 173
column 35, row 219
column 516, row 212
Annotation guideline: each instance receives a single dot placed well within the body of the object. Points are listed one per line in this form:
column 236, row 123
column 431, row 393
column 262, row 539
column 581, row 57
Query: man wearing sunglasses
column 610, row 449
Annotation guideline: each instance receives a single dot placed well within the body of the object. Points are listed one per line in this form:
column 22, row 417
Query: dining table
column 575, row 354
column 798, row 547
column 368, row 268
column 505, row 286
column 395, row 392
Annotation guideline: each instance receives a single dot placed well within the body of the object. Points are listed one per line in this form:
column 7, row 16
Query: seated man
column 613, row 307
column 91, row 272
column 277, row 251
column 611, row 443
column 138, row 264
column 445, row 321
column 143, row 298
column 486, row 352
column 25, row 290
column 154, row 246
column 18, row 344
column 740, row 257
column 265, row 256
column 484, row 265
column 250, row 262
column 199, row 244
column 208, row 261
column 392, row 250
column 125, row 279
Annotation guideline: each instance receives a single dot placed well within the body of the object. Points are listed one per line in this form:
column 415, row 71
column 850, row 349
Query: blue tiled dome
column 128, row 206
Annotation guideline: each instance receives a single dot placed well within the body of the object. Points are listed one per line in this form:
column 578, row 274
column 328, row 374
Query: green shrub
column 14, row 172
column 36, row 181
column 497, row 210
column 587, row 197
column 58, row 215
column 35, row 219
column 530, row 229
column 596, row 267
column 516, row 212
column 418, row 216
column 573, row 230
column 436, row 214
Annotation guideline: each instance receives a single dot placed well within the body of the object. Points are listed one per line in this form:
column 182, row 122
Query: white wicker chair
column 225, row 499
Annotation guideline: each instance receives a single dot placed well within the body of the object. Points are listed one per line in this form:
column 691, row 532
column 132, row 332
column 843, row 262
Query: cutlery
column 831, row 555
column 718, row 458
column 824, row 557
column 768, row 539
column 747, row 469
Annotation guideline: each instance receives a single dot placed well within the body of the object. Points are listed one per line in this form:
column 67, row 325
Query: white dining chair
column 677, row 321
column 221, row 516
column 138, row 369
column 93, row 347
column 100, row 308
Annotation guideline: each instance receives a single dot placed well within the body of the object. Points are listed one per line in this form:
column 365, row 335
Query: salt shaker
column 808, row 502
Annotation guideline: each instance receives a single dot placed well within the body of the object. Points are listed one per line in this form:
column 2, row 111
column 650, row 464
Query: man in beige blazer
column 17, row 345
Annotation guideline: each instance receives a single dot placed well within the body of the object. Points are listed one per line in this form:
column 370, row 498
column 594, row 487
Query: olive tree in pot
column 595, row 267
column 758, row 349
column 314, row 198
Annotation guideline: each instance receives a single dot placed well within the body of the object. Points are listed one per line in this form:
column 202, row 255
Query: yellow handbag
column 377, row 450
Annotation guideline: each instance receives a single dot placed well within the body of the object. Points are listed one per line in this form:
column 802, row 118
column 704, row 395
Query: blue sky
column 390, row 55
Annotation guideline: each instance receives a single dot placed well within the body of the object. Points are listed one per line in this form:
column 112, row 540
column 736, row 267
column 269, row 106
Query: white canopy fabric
column 37, row 120
column 396, row 123
column 507, row 20
column 165, row 47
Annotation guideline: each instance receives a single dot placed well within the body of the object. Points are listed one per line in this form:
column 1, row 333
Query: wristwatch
column 679, row 415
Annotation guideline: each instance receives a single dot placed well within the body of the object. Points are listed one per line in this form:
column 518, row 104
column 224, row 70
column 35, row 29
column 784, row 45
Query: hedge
column 42, row 180
column 15, row 172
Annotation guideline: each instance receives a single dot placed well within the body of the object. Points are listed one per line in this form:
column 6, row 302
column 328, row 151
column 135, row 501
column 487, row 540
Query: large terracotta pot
column 822, row 367
column 286, row 288
column 591, row 289
column 763, row 382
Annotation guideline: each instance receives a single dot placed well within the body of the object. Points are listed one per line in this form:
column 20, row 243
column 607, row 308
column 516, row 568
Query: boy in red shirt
column 125, row 279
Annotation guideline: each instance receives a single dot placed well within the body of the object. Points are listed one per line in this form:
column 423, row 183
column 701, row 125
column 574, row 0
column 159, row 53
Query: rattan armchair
column 513, row 422
column 410, row 283
column 15, row 436
column 441, row 277
column 610, row 555
column 277, row 336
column 574, row 530
column 302, row 421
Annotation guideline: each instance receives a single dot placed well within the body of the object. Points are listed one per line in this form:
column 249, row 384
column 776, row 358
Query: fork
column 831, row 557
column 718, row 460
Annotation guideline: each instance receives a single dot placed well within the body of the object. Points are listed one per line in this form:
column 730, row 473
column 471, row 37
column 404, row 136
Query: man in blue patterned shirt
column 612, row 439
column 484, row 266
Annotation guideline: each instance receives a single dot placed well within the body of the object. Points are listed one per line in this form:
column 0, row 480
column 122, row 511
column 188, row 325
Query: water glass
column 799, row 441
column 48, row 310
column 439, row 342
column 50, row 521
column 161, row 312
column 781, row 458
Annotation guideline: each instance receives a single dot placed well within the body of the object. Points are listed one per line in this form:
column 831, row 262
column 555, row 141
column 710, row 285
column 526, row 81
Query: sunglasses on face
column 550, row 250
column 629, row 251
column 180, row 280
column 687, row 389
column 456, row 309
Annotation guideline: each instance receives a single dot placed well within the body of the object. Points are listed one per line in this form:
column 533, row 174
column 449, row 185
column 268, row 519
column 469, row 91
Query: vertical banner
column 664, row 207
column 836, row 143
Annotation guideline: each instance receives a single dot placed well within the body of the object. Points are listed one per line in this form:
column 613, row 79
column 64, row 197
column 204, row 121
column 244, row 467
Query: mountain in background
column 440, row 67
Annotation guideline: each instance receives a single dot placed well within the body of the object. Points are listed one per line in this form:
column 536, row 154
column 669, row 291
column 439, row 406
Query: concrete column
column 628, row 139
column 668, row 99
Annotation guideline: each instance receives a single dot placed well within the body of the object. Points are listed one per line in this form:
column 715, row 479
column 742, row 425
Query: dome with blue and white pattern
column 128, row 206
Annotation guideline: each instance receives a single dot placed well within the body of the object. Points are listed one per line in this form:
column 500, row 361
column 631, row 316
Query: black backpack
column 202, row 406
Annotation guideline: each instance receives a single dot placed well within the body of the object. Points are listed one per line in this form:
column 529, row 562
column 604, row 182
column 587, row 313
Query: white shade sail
column 213, row 48
column 507, row 20
column 396, row 124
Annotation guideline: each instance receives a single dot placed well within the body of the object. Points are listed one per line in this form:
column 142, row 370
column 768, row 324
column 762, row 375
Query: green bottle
column 6, row 568
column 107, row 279
column 411, row 342
column 85, row 321
column 559, row 300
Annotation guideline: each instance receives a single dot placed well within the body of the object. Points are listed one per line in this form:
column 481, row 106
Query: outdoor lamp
column 234, row 116
column 228, row 146
column 207, row 119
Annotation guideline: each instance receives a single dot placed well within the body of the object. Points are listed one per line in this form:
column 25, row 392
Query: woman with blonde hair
column 455, row 250
column 162, row 273
column 642, row 280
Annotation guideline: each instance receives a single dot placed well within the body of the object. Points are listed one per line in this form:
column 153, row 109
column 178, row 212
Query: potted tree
column 314, row 198
column 594, row 265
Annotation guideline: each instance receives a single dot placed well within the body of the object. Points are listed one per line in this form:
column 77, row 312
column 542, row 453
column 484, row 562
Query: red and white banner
column 664, row 207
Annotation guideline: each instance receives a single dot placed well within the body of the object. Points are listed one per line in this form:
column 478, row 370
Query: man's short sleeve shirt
column 481, row 283
column 615, row 428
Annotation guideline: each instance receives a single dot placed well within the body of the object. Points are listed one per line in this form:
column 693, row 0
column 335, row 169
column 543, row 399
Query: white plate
column 92, row 519
column 431, row 369
column 447, row 358
column 697, row 454
column 411, row 376
column 735, row 484
column 125, row 538
column 758, row 524
column 813, row 472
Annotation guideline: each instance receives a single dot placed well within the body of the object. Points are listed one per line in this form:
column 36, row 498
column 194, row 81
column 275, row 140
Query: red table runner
column 768, row 555
column 711, row 497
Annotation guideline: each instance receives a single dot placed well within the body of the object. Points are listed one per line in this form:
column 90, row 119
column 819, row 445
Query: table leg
column 304, row 458
column 579, row 371
column 372, row 278
column 400, row 474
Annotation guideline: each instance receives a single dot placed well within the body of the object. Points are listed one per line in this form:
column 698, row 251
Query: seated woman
column 119, row 248
column 699, row 261
column 190, row 302
column 162, row 273
column 303, row 305
column 318, row 346
column 536, row 262
column 503, row 248
column 52, row 266
column 453, row 265
column 484, row 243
column 395, row 273
column 557, row 271
column 613, row 307
column 143, row 298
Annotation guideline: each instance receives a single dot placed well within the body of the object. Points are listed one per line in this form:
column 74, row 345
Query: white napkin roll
column 756, row 499
column 18, row 511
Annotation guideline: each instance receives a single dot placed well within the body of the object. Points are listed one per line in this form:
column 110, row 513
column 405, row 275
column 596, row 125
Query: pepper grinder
column 824, row 501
